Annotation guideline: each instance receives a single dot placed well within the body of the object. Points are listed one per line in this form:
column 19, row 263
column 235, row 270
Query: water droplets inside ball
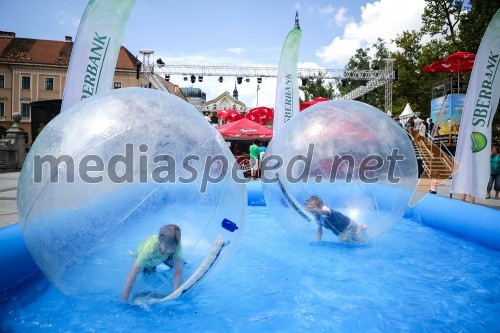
column 358, row 161
column 109, row 173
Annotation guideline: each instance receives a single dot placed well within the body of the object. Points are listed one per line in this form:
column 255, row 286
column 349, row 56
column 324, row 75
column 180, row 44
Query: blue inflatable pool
column 415, row 278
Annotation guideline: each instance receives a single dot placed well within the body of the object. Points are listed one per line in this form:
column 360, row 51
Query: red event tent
column 229, row 115
column 454, row 63
column 261, row 114
column 245, row 129
column 306, row 104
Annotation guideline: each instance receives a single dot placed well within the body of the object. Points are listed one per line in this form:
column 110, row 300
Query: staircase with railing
column 437, row 160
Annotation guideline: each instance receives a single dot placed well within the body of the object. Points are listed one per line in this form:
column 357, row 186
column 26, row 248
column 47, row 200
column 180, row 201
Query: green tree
column 377, row 96
column 442, row 17
column 359, row 61
column 318, row 88
column 474, row 23
column 472, row 27
column 411, row 87
column 363, row 61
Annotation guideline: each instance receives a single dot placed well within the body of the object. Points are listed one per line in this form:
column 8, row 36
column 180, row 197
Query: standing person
column 410, row 123
column 214, row 120
column 262, row 152
column 254, row 159
column 430, row 127
column 162, row 248
column 207, row 118
column 472, row 199
column 422, row 129
column 236, row 150
column 494, row 182
column 417, row 122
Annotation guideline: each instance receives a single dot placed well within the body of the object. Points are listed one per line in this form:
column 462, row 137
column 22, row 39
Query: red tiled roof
column 50, row 52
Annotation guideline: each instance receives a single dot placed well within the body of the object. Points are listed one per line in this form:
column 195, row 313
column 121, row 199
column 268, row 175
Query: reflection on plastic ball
column 110, row 172
column 358, row 161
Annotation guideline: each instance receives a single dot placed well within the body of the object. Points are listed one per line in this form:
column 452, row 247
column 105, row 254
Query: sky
column 231, row 33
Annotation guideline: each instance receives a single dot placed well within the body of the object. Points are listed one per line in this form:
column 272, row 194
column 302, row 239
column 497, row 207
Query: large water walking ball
column 110, row 172
column 353, row 157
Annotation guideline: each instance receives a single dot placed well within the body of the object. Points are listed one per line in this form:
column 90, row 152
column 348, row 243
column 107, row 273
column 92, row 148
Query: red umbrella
column 229, row 115
column 306, row 104
column 454, row 63
column 245, row 129
column 261, row 114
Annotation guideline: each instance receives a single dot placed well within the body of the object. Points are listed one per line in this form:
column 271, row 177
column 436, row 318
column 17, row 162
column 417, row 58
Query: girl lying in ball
column 341, row 225
column 162, row 248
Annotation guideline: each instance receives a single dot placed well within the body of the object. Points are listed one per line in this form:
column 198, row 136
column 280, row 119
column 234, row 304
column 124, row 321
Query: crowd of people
column 423, row 127
column 251, row 155
column 257, row 151
column 494, row 181
column 211, row 118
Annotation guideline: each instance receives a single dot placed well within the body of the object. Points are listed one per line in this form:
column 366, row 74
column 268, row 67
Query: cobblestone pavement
column 8, row 194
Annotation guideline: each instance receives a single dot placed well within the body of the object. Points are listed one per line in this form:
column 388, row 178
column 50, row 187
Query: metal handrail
column 421, row 142
column 448, row 153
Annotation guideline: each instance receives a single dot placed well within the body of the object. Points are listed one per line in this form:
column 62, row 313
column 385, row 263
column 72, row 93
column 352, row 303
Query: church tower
column 235, row 92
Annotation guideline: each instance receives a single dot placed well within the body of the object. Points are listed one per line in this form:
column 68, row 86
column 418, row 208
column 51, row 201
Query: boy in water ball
column 162, row 248
column 341, row 225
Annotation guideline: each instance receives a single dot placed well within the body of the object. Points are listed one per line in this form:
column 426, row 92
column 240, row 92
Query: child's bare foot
column 361, row 228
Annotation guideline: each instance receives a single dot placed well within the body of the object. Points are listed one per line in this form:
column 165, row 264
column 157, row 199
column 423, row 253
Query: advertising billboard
column 446, row 112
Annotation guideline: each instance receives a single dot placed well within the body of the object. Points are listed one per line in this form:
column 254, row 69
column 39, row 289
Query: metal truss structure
column 374, row 78
column 238, row 71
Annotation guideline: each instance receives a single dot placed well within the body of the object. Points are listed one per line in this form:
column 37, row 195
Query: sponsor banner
column 446, row 113
column 474, row 142
column 287, row 87
column 95, row 52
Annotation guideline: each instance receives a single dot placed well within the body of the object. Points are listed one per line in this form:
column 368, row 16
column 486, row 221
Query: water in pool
column 412, row 279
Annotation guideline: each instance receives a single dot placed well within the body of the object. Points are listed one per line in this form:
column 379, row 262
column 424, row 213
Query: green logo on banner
column 479, row 141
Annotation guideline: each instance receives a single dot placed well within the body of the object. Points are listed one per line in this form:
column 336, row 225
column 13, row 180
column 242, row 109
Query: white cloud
column 64, row 18
column 201, row 58
column 327, row 10
column 340, row 17
column 383, row 18
column 309, row 64
column 337, row 15
column 236, row 50
column 210, row 85
column 339, row 51
column 247, row 90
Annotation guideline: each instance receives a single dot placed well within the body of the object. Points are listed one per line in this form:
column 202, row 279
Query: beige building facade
column 35, row 70
column 225, row 102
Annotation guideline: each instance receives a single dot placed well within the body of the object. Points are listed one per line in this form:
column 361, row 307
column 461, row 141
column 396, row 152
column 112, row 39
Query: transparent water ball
column 110, row 172
column 358, row 161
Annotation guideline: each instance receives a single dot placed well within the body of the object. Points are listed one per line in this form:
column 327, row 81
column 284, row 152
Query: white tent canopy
column 407, row 112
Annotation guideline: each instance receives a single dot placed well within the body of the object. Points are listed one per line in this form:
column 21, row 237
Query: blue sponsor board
column 446, row 112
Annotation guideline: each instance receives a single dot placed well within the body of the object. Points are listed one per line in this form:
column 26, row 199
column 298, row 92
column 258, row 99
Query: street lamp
column 258, row 88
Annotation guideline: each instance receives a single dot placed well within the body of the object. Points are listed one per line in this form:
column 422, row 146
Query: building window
column 2, row 109
column 2, row 81
column 117, row 85
column 49, row 83
column 26, row 82
column 25, row 110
